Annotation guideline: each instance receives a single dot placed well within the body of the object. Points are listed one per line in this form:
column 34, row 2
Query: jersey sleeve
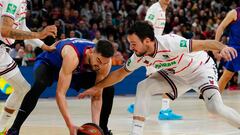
column 132, row 63
column 11, row 8
column 176, row 43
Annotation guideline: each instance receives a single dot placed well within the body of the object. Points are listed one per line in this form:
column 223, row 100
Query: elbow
column 4, row 32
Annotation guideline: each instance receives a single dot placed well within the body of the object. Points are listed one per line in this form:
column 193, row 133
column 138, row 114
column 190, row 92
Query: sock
column 137, row 127
column 165, row 103
column 4, row 118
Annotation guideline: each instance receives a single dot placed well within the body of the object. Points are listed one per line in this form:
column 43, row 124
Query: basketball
column 90, row 129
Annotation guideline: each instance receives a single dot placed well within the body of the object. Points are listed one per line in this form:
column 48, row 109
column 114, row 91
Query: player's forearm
column 62, row 105
column 62, row 87
column 17, row 34
column 211, row 45
column 113, row 78
column 96, row 105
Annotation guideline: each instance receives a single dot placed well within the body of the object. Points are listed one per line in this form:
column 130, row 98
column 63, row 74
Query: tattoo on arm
column 9, row 32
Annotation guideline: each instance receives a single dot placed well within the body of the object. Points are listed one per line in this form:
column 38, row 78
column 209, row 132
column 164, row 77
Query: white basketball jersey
column 157, row 17
column 172, row 53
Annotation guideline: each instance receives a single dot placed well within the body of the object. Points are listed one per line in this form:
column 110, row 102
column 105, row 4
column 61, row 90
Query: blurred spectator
column 14, row 51
column 117, row 58
column 98, row 37
column 72, row 34
column 29, row 56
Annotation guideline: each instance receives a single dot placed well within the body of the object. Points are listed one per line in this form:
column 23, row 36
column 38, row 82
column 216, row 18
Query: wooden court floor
column 46, row 119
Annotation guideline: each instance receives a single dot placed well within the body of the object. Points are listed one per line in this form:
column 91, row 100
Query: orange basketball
column 90, row 129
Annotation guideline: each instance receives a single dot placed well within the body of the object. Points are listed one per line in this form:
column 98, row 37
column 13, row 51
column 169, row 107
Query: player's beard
column 140, row 54
column 93, row 67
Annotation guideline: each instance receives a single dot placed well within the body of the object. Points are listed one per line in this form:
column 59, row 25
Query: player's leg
column 43, row 78
column 21, row 87
column 107, row 103
column 11, row 73
column 225, row 78
column 215, row 105
column 155, row 84
column 206, row 80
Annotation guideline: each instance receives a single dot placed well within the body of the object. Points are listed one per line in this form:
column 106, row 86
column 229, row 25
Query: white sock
column 165, row 103
column 4, row 118
column 137, row 127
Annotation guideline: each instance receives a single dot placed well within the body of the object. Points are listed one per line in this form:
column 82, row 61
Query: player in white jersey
column 156, row 15
column 13, row 27
column 184, row 68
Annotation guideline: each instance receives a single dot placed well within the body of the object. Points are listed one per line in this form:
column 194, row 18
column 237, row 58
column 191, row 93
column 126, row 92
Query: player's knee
column 142, row 88
column 26, row 87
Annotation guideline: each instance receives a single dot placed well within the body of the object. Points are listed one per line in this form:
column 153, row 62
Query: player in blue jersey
column 232, row 21
column 76, row 63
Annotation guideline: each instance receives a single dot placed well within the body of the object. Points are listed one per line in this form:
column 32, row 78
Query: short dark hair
column 105, row 48
column 142, row 29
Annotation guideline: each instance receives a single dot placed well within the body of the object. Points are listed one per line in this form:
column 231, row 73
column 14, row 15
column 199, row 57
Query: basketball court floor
column 46, row 119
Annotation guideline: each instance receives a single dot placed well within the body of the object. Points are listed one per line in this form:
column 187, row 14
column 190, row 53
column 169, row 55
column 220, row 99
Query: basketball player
column 13, row 27
column 185, row 66
column 76, row 63
column 156, row 15
column 232, row 21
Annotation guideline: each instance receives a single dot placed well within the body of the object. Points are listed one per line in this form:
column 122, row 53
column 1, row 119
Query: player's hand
column 50, row 48
column 73, row 130
column 48, row 31
column 89, row 92
column 228, row 53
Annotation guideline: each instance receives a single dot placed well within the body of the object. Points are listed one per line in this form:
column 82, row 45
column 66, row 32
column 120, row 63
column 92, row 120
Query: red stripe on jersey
column 190, row 46
column 172, row 59
column 22, row 13
column 163, row 51
column 8, row 41
column 165, row 61
column 197, row 67
column 185, row 67
column 139, row 60
column 180, row 58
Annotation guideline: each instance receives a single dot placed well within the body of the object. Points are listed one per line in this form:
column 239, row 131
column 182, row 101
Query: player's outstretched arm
column 96, row 100
column 70, row 62
column 226, row 52
column 113, row 78
column 231, row 16
column 8, row 31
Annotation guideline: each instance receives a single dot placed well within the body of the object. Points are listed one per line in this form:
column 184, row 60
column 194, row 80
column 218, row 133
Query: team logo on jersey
column 11, row 8
column 129, row 62
column 151, row 17
column 183, row 43
column 167, row 64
